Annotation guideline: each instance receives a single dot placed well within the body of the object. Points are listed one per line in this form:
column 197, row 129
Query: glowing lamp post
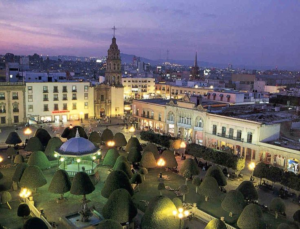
column 181, row 214
column 1, row 159
column 251, row 167
column 63, row 160
column 132, row 130
column 110, row 144
column 27, row 133
column 78, row 161
column 182, row 147
column 71, row 126
column 24, row 193
column 161, row 163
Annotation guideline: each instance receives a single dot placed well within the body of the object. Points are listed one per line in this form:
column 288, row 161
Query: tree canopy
column 60, row 182
column 52, row 145
column 121, row 158
column 11, row 151
column 107, row 135
column 134, row 155
column 196, row 181
column 150, row 147
column 277, row 205
column 34, row 144
column 119, row 207
column 209, row 187
column 216, row 224
column 108, row 223
column 33, row 177
column 5, row 197
column 216, row 172
column 148, row 160
column 116, row 180
column 177, row 202
column 123, row 166
column 251, row 217
column 43, row 135
column 133, row 142
column 18, row 159
column 233, row 202
column 120, row 140
column 111, row 157
column 248, row 190
column 191, row 165
column 284, row 226
column 95, row 137
column 13, row 138
column 71, row 132
column 136, row 179
column 169, row 158
column 296, row 216
column 82, row 184
column 19, row 172
column 23, row 210
column 260, row 170
column 274, row 174
column 39, row 159
column 35, row 223
column 159, row 214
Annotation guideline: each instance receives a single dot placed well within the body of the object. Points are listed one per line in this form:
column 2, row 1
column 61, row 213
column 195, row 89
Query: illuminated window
column 86, row 105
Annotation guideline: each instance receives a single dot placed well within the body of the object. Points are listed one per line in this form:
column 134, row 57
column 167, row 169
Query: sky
column 238, row 32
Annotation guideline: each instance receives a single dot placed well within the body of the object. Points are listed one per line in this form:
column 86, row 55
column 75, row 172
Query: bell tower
column 113, row 73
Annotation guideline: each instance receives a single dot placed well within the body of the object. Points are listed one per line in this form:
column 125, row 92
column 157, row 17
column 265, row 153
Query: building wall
column 12, row 103
column 37, row 99
column 273, row 89
column 138, row 87
column 117, row 104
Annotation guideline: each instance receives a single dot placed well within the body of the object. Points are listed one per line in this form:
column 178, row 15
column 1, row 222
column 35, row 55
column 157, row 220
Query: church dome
column 77, row 146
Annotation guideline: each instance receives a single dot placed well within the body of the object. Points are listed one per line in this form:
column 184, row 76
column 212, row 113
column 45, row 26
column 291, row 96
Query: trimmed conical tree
column 191, row 165
column 296, row 216
column 136, row 179
column 18, row 159
column 71, row 132
column 39, row 159
column 82, row 185
column 184, row 189
column 5, row 198
column 111, row 157
column 196, row 181
column 133, row 142
column 216, row 172
column 216, row 224
column 177, row 202
column 233, row 202
column 159, row 214
column 33, row 178
column 119, row 207
column 107, row 135
column 260, row 170
column 120, row 140
column 125, row 167
column 52, row 145
column 60, row 183
column 43, row 135
column 109, row 224
column 1, row 175
column 150, row 147
column 284, row 226
column 148, row 160
column 120, row 159
column 134, row 155
column 95, row 137
column 13, row 139
column 169, row 158
column 35, row 223
column 143, row 172
column 19, row 172
column 161, row 186
column 277, row 205
column 209, row 188
column 175, row 144
column 248, row 190
column 11, row 151
column 251, row 217
column 116, row 180
column 34, row 144
column 23, row 211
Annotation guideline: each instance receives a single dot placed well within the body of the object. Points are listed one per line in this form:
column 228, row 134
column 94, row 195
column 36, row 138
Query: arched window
column 171, row 116
column 199, row 122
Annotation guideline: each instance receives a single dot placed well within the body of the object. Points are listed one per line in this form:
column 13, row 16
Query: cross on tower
column 114, row 29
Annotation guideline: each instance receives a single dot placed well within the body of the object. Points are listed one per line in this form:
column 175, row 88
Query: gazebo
column 76, row 155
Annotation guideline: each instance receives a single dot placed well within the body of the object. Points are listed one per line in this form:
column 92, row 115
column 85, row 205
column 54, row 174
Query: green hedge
column 162, row 140
column 217, row 157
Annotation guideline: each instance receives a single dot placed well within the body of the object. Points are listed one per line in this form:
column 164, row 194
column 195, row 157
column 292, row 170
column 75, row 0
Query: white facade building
column 140, row 88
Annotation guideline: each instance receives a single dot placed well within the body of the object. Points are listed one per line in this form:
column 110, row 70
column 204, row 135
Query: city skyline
column 227, row 32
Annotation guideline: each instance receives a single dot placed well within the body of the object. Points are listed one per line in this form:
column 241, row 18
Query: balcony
column 74, row 98
column 45, row 99
column 45, row 91
column 65, row 90
column 3, row 111
column 185, row 125
column 74, row 90
column 46, row 109
column 230, row 137
column 16, row 110
column 55, row 91
column 15, row 97
column 55, row 99
column 2, row 98
column 65, row 99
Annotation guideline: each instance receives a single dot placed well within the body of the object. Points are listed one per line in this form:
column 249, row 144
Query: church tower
column 113, row 73
column 195, row 70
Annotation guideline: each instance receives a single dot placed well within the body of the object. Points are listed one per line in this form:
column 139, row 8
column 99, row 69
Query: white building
column 140, row 88
column 59, row 101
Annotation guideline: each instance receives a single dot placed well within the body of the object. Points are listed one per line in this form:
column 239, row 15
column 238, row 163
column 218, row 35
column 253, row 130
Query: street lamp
column 132, row 130
column 24, row 193
column 251, row 167
column 78, row 161
column 181, row 214
column 182, row 146
column 1, row 159
column 56, row 156
column 63, row 160
column 27, row 132
column 111, row 143
column 71, row 126
column 161, row 162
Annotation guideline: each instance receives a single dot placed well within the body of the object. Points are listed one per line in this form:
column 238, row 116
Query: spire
column 77, row 134
column 114, row 29
column 196, row 64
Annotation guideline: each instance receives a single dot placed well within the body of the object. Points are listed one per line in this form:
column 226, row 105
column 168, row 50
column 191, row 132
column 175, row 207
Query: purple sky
column 248, row 32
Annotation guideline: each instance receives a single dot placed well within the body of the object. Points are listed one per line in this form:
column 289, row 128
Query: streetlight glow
column 174, row 212
column 251, row 166
column 27, row 131
column 161, row 162
column 78, row 160
column 182, row 145
column 1, row 159
column 180, row 215
column 110, row 143
column 24, row 193
column 131, row 129
column 186, row 213
column 62, row 159
column 94, row 157
column 180, row 210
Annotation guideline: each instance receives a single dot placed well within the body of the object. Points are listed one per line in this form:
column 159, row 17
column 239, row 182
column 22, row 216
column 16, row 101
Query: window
column 29, row 88
column 239, row 135
column 55, row 89
column 65, row 106
column 249, row 137
column 159, row 117
column 86, row 95
column 214, row 129
column 3, row 121
column 65, row 89
column 45, row 97
column 231, row 133
column 46, row 108
column 65, row 97
column 30, row 98
column 74, row 97
column 86, row 88
column 85, row 105
column 56, row 107
column 2, row 96
column 15, row 107
column 30, row 108
column 199, row 123
column 15, row 96
column 102, row 98
column 55, row 97
column 223, row 131
column 74, row 88
column 2, row 108
column 16, row 119
column 74, row 106
column 45, row 89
